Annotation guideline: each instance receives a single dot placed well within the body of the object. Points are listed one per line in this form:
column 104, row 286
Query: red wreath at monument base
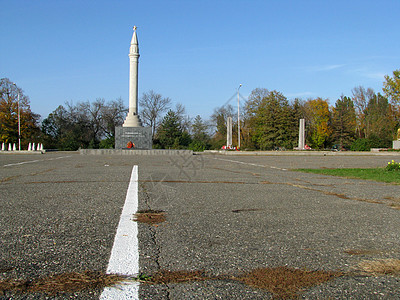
column 130, row 145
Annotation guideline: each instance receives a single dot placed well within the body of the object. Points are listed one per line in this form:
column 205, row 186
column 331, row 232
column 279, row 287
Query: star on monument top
column 134, row 28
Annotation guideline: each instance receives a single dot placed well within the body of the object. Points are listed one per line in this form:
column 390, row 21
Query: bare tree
column 219, row 118
column 361, row 97
column 184, row 119
column 113, row 115
column 152, row 106
column 92, row 111
column 85, row 124
column 255, row 99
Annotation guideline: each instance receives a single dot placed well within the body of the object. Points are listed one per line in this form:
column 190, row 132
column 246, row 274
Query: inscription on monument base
column 140, row 137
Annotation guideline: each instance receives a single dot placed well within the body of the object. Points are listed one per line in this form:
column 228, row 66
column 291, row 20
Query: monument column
column 301, row 134
column 132, row 135
column 132, row 119
column 229, row 132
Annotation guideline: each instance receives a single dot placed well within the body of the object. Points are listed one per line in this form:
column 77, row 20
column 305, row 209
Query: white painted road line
column 33, row 161
column 124, row 258
column 250, row 164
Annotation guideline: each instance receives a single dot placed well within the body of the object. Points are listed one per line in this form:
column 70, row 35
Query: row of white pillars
column 31, row 147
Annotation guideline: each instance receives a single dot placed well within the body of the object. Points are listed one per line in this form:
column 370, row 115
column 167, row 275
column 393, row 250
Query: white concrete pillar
column 229, row 132
column 132, row 119
column 301, row 134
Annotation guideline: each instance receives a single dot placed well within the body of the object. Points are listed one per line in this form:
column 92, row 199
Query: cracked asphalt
column 225, row 215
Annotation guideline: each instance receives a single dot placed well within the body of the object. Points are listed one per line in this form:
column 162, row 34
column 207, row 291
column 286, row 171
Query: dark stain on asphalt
column 285, row 282
column 246, row 210
column 150, row 216
column 363, row 251
column 282, row 282
column 194, row 181
column 5, row 179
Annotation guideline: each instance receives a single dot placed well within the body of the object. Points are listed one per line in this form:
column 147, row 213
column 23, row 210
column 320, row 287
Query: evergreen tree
column 200, row 138
column 271, row 120
column 170, row 134
column 380, row 122
column 344, row 122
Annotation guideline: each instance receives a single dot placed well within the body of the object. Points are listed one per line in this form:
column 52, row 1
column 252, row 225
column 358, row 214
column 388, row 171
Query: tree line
column 268, row 121
column 9, row 107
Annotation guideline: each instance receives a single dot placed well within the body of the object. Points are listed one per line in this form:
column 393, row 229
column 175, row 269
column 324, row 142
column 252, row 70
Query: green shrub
column 107, row 143
column 379, row 142
column 393, row 166
column 197, row 146
column 361, row 145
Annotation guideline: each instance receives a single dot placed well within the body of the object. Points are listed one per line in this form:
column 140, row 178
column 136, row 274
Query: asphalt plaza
column 223, row 215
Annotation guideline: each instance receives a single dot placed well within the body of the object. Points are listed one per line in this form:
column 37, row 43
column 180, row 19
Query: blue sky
column 196, row 52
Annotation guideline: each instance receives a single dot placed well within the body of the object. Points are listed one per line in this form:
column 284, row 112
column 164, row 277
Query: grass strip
column 377, row 174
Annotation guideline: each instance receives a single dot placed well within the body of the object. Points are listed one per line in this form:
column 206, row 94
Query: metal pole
column 238, row 117
column 19, row 126
column 19, row 120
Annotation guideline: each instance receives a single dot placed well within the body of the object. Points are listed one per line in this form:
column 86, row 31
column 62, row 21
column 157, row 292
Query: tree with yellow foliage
column 318, row 119
column 391, row 87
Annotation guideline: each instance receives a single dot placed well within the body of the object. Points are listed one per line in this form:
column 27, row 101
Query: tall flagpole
column 238, row 116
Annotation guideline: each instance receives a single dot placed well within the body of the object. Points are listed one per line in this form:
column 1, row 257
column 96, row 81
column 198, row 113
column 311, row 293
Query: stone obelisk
column 132, row 119
column 132, row 135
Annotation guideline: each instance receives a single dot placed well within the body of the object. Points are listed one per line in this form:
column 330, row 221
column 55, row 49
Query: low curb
column 297, row 153
column 23, row 152
column 134, row 152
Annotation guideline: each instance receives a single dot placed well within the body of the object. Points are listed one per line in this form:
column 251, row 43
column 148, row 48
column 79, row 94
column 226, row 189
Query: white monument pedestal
column 396, row 144
column 132, row 120
column 141, row 137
